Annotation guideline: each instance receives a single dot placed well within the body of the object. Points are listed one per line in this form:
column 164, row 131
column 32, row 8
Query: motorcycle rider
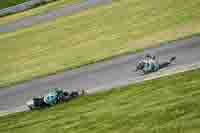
column 57, row 95
column 54, row 96
column 150, row 64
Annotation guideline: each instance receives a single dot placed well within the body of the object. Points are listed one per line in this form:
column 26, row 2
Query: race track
column 106, row 74
column 51, row 16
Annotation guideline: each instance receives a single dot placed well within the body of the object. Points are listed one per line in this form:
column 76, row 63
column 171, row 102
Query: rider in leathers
column 54, row 96
column 151, row 64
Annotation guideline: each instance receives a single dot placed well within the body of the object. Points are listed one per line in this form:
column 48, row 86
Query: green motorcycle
column 53, row 97
column 150, row 64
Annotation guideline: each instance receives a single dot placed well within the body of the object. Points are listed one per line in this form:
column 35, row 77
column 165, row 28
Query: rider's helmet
column 148, row 55
column 50, row 98
column 53, row 96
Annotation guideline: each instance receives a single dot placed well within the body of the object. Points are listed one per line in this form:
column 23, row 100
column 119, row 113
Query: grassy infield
column 166, row 105
column 96, row 34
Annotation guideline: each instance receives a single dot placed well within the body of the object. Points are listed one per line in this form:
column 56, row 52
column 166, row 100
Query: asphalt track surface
column 51, row 16
column 106, row 74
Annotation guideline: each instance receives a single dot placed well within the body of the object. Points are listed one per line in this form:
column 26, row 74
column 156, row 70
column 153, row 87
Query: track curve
column 51, row 16
column 106, row 74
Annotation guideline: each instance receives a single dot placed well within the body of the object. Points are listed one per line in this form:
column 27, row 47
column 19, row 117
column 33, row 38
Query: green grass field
column 8, row 3
column 38, row 10
column 166, row 105
column 96, row 34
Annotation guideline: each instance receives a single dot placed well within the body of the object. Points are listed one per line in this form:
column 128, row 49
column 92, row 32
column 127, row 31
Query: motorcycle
column 54, row 97
column 150, row 64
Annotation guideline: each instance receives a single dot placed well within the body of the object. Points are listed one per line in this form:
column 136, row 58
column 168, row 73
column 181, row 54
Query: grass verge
column 165, row 105
column 96, row 34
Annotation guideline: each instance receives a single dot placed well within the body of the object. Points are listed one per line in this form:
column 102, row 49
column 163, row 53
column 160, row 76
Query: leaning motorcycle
column 53, row 97
column 152, row 67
